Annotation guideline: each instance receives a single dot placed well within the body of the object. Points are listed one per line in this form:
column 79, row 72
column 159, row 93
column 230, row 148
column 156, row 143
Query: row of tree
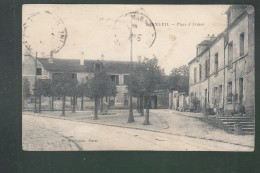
column 64, row 85
column 146, row 79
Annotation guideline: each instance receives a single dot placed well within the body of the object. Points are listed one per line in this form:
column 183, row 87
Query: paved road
column 42, row 133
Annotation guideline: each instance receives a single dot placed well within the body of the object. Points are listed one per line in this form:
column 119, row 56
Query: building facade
column 222, row 75
column 44, row 68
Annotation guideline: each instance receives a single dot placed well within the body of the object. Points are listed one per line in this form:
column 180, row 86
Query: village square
column 79, row 103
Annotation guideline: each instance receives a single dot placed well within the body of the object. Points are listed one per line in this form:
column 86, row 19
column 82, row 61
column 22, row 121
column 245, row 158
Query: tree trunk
column 82, row 101
column 40, row 103
column 101, row 105
column 146, row 121
column 142, row 105
column 138, row 104
column 96, row 109
column 131, row 116
column 108, row 102
column 52, row 104
column 35, row 102
column 63, row 105
column 74, row 104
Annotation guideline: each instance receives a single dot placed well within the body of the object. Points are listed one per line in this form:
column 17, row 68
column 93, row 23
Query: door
column 205, row 99
column 240, row 90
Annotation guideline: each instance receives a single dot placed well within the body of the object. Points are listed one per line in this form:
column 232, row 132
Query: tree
column 110, row 91
column 74, row 93
column 83, row 90
column 63, row 83
column 151, row 82
column 147, row 79
column 53, row 94
column 26, row 90
column 42, row 88
column 100, row 86
column 137, row 90
column 179, row 79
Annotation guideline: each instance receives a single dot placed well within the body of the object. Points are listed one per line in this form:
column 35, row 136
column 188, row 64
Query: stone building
column 45, row 68
column 222, row 75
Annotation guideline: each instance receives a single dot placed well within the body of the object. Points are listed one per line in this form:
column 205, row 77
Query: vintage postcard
column 138, row 77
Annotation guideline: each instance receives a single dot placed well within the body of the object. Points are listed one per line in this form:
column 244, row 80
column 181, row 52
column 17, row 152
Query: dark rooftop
column 73, row 65
column 205, row 42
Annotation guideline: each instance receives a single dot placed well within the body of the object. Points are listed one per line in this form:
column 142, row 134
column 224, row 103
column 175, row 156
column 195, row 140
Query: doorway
column 205, row 99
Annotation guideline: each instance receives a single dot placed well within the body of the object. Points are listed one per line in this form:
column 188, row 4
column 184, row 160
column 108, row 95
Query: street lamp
column 141, row 21
column 131, row 116
column 35, row 83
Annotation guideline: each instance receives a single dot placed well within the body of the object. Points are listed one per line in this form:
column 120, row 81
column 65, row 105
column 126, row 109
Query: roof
column 205, row 42
column 210, row 43
column 235, row 6
column 73, row 65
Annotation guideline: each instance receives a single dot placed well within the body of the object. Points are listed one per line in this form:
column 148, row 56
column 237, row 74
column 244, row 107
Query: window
column 242, row 42
column 115, row 79
column 39, row 71
column 125, row 99
column 195, row 75
column 207, row 68
column 126, row 79
column 230, row 54
column 111, row 101
column 206, row 96
column 74, row 76
column 220, row 94
column 200, row 72
column 97, row 66
column 215, row 101
column 229, row 92
column 240, row 90
column 216, row 63
column 125, row 96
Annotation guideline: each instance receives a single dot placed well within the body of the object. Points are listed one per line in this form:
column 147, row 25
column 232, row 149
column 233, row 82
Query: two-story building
column 223, row 71
column 45, row 68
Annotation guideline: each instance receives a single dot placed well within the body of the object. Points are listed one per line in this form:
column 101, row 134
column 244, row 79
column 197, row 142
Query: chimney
column 82, row 58
column 27, row 54
column 102, row 57
column 210, row 37
column 51, row 57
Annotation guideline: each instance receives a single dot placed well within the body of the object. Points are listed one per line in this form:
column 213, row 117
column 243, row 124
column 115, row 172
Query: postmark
column 139, row 24
column 44, row 32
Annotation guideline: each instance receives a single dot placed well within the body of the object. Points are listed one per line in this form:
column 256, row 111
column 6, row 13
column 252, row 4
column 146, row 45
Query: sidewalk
column 188, row 114
column 194, row 125
column 116, row 118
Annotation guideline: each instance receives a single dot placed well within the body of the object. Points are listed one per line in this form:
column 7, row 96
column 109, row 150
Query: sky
column 103, row 31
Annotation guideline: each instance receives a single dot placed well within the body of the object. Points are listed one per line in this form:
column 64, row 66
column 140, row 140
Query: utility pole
column 131, row 116
column 35, row 83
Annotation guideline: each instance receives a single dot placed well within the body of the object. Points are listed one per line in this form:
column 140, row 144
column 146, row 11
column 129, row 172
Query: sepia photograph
column 99, row 77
